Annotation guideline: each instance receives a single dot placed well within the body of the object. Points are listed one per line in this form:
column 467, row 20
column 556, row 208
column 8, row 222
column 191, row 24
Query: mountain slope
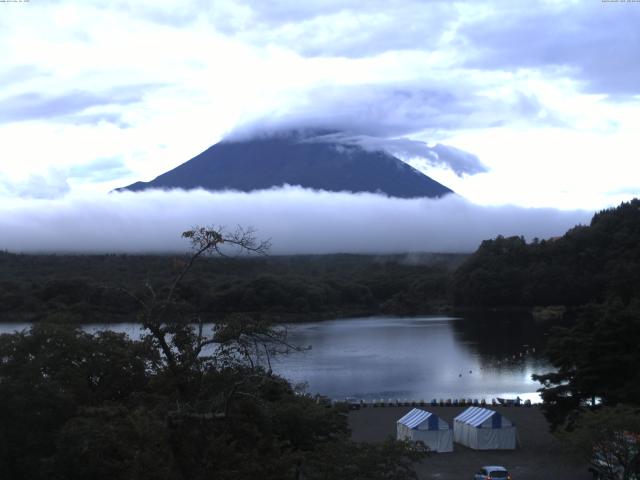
column 275, row 161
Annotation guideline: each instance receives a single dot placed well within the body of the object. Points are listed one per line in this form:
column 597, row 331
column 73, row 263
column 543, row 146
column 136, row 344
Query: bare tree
column 179, row 342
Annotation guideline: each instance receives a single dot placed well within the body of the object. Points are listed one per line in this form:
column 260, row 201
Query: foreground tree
column 592, row 401
column 609, row 438
column 596, row 362
column 160, row 311
column 49, row 376
column 180, row 403
column 391, row 460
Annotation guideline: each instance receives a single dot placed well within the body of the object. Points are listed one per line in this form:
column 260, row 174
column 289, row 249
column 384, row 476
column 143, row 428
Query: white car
column 492, row 471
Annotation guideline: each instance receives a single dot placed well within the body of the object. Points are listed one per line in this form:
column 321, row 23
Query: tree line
column 592, row 398
column 587, row 264
column 91, row 288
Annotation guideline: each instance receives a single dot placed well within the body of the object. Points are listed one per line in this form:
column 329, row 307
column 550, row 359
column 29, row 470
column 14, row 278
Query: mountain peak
column 310, row 158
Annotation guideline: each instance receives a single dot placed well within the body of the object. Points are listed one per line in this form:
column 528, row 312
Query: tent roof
column 415, row 417
column 475, row 416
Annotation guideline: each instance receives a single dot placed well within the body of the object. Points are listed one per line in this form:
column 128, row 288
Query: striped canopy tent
column 484, row 429
column 418, row 425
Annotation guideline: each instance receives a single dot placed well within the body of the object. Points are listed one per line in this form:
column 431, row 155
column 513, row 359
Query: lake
column 417, row 358
column 408, row 357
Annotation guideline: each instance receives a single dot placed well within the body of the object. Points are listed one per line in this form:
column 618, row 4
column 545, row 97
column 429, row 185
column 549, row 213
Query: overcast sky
column 511, row 104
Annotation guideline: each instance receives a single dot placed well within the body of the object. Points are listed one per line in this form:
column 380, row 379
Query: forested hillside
column 594, row 270
column 587, row 264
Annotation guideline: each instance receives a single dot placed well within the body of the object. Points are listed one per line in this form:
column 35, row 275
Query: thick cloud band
column 296, row 220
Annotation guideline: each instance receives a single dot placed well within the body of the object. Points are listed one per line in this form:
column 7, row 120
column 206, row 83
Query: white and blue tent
column 484, row 429
column 428, row 428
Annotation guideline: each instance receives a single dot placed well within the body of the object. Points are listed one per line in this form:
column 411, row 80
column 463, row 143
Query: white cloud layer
column 296, row 220
column 150, row 84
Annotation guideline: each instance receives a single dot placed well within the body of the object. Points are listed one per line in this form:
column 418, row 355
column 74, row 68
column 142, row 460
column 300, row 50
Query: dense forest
column 587, row 264
column 593, row 270
column 592, row 397
column 93, row 288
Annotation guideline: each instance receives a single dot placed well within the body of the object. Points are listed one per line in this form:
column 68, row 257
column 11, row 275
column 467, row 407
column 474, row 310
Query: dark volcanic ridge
column 310, row 161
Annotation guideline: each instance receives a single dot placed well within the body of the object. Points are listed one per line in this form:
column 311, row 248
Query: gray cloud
column 458, row 161
column 35, row 105
column 401, row 109
column 53, row 185
column 596, row 43
column 374, row 116
column 315, row 27
column 19, row 74
column 593, row 42
column 351, row 29
column 296, row 220
column 282, row 12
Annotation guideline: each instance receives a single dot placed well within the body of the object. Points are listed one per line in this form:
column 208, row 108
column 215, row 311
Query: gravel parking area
column 538, row 456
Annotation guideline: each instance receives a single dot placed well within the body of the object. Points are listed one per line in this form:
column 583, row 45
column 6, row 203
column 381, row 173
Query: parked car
column 354, row 403
column 492, row 471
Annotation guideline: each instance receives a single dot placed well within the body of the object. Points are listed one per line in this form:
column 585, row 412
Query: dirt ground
column 538, row 456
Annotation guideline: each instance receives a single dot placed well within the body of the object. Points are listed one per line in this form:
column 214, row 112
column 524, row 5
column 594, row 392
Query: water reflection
column 414, row 358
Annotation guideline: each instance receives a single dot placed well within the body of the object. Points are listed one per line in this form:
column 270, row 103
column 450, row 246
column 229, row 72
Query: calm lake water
column 408, row 358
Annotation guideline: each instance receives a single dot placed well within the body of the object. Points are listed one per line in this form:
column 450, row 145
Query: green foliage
column 391, row 460
column 83, row 288
column 593, row 269
column 48, row 374
column 596, row 361
column 609, row 437
column 79, row 405
column 111, row 442
column 587, row 264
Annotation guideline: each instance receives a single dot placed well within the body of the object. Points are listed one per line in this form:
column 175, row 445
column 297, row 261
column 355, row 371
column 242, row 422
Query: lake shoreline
column 302, row 317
